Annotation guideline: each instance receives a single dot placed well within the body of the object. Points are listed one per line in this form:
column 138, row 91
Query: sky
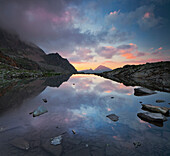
column 90, row 33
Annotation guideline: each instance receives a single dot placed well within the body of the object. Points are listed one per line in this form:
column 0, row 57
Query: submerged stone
column 56, row 141
column 143, row 92
column 136, row 144
column 156, row 109
column 153, row 117
column 74, row 132
column 20, row 143
column 113, row 117
column 45, row 100
column 39, row 111
column 159, row 101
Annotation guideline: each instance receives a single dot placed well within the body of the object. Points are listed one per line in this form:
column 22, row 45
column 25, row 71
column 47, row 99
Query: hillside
column 24, row 55
column 150, row 75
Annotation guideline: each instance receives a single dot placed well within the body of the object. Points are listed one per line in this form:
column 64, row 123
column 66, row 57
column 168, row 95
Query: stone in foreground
column 156, row 109
column 143, row 92
column 45, row 100
column 152, row 117
column 56, row 141
column 159, row 101
column 39, row 111
column 113, row 117
column 20, row 143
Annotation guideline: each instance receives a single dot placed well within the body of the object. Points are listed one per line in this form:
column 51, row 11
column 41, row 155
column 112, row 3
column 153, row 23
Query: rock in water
column 74, row 132
column 45, row 100
column 153, row 117
column 20, row 143
column 159, row 101
column 56, row 141
column 136, row 144
column 143, row 92
column 156, row 109
column 113, row 117
column 39, row 111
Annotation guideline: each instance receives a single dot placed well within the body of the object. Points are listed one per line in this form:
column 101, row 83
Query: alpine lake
column 75, row 122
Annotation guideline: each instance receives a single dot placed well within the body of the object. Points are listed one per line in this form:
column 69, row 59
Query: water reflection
column 82, row 104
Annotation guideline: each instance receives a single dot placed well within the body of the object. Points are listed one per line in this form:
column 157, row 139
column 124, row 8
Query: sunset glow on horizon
column 93, row 32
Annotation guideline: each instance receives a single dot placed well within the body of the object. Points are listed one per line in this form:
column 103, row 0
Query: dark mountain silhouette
column 25, row 55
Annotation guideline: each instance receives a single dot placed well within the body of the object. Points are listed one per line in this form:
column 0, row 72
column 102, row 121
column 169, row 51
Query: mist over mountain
column 25, row 55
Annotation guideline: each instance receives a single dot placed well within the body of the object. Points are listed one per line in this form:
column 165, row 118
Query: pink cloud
column 107, row 51
column 128, row 56
column 40, row 14
column 81, row 55
column 129, row 51
column 114, row 12
column 147, row 15
column 160, row 48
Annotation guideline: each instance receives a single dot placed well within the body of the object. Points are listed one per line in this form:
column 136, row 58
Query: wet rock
column 159, row 101
column 113, row 117
column 156, row 109
column 74, row 132
column 140, row 102
column 143, row 92
column 136, row 144
column 45, row 100
column 56, row 141
column 39, row 111
column 53, row 150
column 112, row 97
column 153, row 117
column 20, row 143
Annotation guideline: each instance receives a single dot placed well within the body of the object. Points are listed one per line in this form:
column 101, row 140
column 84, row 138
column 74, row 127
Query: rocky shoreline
column 9, row 72
column 155, row 76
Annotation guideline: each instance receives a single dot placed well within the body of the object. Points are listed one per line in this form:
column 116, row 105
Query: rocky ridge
column 154, row 76
column 25, row 55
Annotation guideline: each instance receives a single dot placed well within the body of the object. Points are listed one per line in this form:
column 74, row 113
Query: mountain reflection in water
column 80, row 104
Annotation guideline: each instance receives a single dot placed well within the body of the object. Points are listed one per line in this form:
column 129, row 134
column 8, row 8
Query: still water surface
column 80, row 104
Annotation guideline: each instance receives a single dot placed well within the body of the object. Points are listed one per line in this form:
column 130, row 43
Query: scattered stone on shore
column 143, row 92
column 45, row 100
column 159, row 101
column 113, row 117
column 56, row 140
column 156, row 109
column 39, row 111
column 136, row 144
column 152, row 117
column 74, row 132
column 20, row 143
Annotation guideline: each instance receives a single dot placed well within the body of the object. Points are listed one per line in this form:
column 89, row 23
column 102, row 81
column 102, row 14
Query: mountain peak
column 102, row 68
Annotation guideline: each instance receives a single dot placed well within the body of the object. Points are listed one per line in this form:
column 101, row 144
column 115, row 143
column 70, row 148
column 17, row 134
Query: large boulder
column 153, row 117
column 157, row 109
column 143, row 91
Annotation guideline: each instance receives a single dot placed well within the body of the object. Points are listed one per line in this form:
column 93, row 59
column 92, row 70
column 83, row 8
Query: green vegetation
column 8, row 72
